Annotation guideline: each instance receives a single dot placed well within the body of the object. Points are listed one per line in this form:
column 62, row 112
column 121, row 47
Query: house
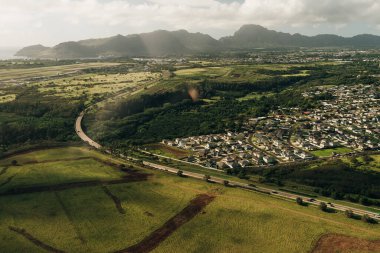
column 269, row 160
column 221, row 165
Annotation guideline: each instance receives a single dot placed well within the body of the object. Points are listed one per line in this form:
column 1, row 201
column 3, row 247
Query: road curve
column 82, row 135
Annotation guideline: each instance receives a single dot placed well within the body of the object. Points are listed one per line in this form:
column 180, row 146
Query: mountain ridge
column 181, row 42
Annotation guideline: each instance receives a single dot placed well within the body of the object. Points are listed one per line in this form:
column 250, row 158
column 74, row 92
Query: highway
column 265, row 190
column 218, row 180
column 82, row 135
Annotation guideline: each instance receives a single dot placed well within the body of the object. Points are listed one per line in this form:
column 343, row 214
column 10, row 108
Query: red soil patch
column 150, row 242
column 334, row 243
column 172, row 150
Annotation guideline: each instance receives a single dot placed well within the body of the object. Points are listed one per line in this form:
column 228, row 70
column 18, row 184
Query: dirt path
column 150, row 242
column 332, row 243
column 34, row 240
column 178, row 153
column 115, row 199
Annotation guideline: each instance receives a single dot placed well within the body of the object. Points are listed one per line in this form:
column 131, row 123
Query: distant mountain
column 177, row 43
column 31, row 51
column 157, row 43
column 254, row 36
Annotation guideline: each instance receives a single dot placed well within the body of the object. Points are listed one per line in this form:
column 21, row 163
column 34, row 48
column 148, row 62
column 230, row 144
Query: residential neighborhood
column 348, row 118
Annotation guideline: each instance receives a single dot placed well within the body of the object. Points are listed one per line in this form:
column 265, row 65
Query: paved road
column 262, row 190
column 218, row 180
column 82, row 135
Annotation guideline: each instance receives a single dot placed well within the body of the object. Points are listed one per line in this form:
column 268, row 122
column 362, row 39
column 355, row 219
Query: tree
column 336, row 195
column 226, row 182
column 122, row 167
column 367, row 159
column 206, row 178
column 180, row 173
column 354, row 162
column 365, row 201
column 349, row 213
column 368, row 219
column 323, row 206
column 299, row 201
column 14, row 162
column 242, row 174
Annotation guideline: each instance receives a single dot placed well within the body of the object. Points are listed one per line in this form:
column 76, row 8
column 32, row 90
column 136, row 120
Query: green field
column 329, row 152
column 13, row 75
column 86, row 220
column 239, row 221
column 94, row 84
column 373, row 165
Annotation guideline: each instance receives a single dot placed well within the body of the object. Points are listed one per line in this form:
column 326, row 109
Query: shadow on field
column 34, row 240
column 115, row 199
column 132, row 175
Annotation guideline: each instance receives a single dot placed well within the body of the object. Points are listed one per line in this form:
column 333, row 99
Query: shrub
column 368, row 219
column 323, row 206
column 365, row 201
column 299, row 201
column 180, row 173
column 349, row 214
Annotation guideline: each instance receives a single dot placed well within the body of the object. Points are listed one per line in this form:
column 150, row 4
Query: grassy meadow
column 86, row 220
column 94, row 84
column 14, row 75
column 330, row 151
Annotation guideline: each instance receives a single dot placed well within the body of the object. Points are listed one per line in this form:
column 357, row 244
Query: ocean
column 8, row 53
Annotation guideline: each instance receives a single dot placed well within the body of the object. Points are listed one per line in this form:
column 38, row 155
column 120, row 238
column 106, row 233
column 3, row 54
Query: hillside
column 251, row 36
column 75, row 199
column 177, row 43
column 157, row 43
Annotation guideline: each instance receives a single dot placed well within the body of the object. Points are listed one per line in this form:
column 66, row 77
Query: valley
column 116, row 184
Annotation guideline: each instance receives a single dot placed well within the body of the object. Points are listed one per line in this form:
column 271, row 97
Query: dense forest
column 32, row 117
column 173, row 113
column 336, row 179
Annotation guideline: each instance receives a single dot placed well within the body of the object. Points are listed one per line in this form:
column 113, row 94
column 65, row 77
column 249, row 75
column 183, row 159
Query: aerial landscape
column 189, row 126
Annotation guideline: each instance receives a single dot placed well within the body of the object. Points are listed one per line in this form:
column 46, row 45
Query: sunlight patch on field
column 7, row 98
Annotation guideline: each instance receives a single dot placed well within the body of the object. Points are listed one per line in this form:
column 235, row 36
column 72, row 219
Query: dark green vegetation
column 40, row 100
column 192, row 99
column 210, row 100
column 163, row 43
column 335, row 178
column 32, row 117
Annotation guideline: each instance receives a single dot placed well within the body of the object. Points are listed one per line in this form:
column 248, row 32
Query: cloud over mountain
column 28, row 21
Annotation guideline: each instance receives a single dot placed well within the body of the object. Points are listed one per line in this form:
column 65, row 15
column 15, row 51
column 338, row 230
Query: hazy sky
column 27, row 22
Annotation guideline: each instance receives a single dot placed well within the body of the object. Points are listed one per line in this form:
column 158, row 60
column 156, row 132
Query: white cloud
column 24, row 22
